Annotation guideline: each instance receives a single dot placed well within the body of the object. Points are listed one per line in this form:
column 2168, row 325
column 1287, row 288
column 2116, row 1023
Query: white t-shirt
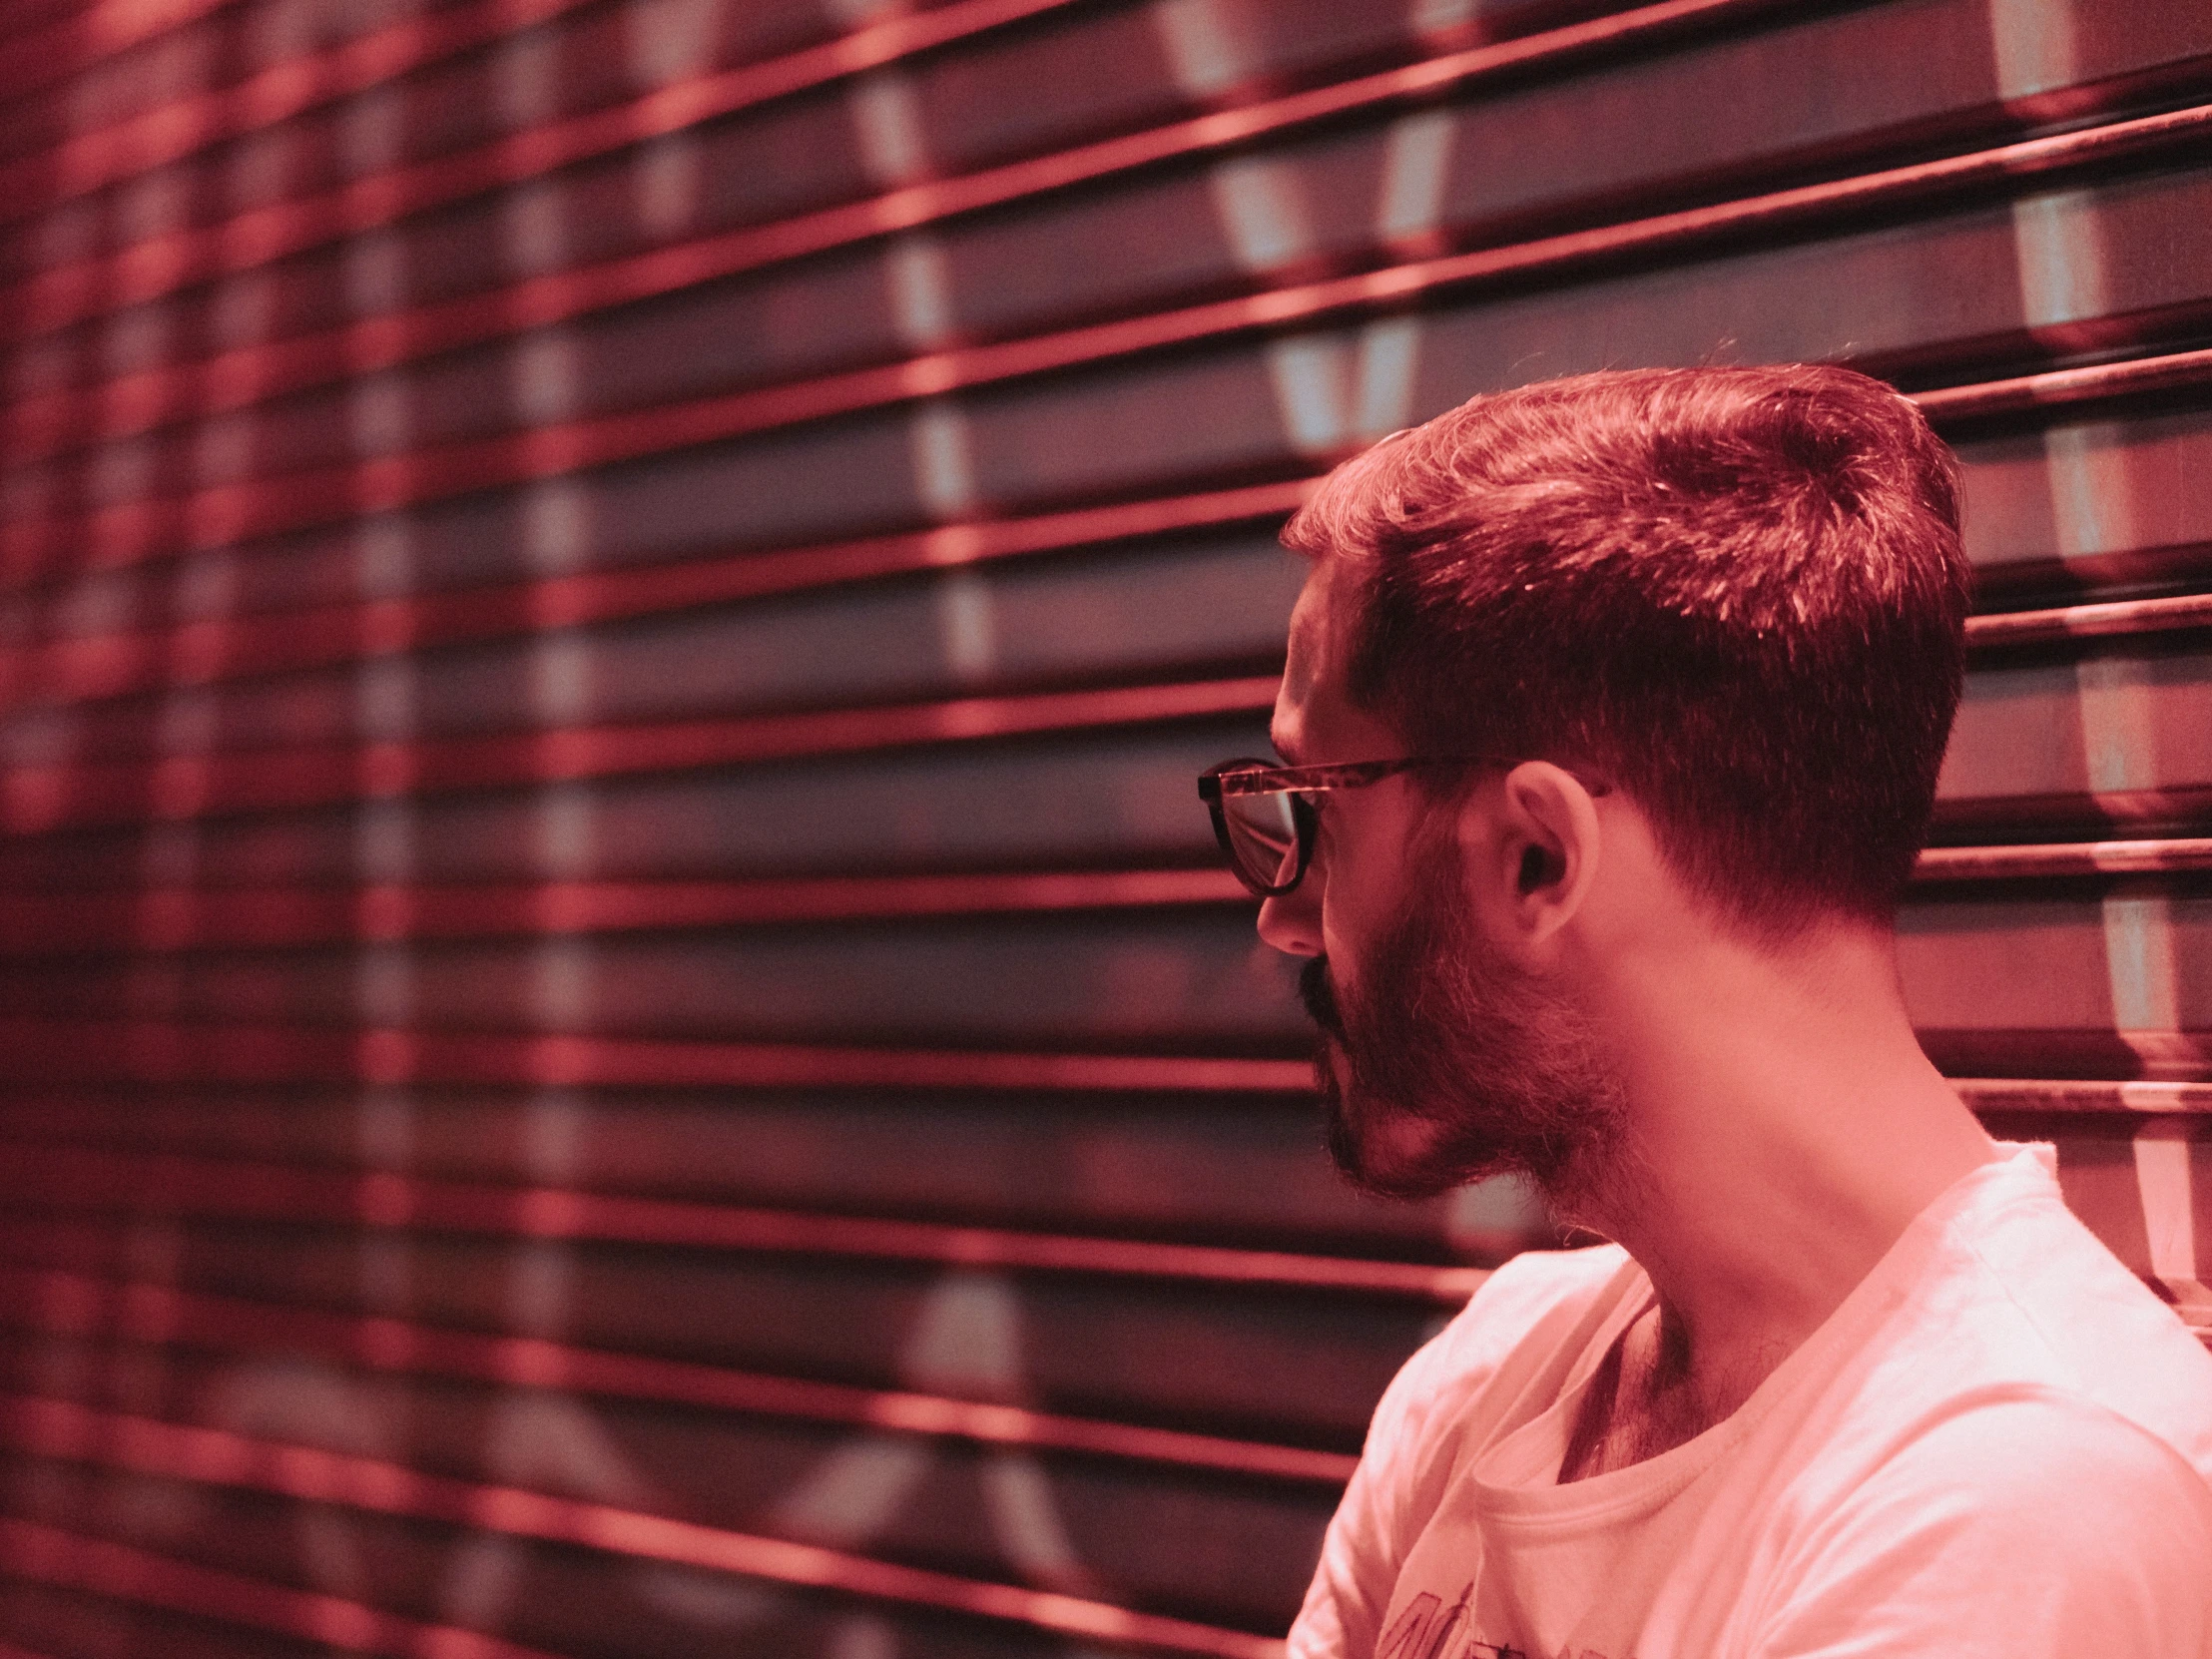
column 1999, row 1446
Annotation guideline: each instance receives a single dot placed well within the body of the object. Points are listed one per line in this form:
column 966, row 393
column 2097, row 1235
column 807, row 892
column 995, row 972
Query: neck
column 1774, row 1154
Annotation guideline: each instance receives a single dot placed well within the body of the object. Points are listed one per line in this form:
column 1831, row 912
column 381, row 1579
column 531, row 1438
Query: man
column 1616, row 705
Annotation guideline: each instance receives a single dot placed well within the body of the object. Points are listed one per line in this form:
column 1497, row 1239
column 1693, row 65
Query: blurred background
column 618, row 1030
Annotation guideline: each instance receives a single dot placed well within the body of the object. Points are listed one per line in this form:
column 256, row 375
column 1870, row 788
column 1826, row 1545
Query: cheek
column 1380, row 869
column 1346, row 927
column 1358, row 905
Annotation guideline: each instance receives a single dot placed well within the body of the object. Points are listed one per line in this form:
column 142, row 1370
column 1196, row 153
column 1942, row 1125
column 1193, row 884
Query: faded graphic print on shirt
column 1427, row 1629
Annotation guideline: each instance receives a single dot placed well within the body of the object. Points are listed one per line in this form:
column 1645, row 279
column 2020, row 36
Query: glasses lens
column 1263, row 833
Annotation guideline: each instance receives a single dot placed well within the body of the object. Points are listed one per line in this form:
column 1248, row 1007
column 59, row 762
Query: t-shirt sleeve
column 2022, row 1525
column 1343, row 1613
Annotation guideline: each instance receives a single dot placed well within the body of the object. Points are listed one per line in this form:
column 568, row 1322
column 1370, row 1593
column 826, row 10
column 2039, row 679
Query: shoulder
column 2014, row 1518
column 2055, row 1305
column 2017, row 1448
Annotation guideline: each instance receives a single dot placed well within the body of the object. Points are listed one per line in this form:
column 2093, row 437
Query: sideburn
column 1501, row 1068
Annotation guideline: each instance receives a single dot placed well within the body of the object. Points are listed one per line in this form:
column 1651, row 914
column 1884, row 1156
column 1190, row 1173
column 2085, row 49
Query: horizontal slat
column 2023, row 580
column 233, row 646
column 2087, row 1052
column 53, row 1556
column 2064, row 860
column 27, row 17
column 173, row 1051
column 2074, row 814
column 2061, row 387
column 70, row 1304
column 186, row 920
column 2072, row 1096
column 2109, row 620
column 79, row 1178
column 132, row 531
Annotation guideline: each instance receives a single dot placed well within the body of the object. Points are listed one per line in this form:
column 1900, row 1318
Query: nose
column 1292, row 923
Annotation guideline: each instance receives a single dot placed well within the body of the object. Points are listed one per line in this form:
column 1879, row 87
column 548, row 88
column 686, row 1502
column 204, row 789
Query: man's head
column 1734, row 598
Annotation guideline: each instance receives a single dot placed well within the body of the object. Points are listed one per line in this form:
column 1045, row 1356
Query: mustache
column 1316, row 990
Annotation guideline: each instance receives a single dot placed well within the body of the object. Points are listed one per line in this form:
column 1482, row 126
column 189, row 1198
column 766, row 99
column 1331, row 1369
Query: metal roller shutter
column 621, row 1032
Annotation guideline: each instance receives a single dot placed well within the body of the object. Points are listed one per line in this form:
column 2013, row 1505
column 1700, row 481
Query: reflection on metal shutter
column 621, row 1033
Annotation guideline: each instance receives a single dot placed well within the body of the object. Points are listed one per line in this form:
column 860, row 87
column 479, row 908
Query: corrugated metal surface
column 621, row 1035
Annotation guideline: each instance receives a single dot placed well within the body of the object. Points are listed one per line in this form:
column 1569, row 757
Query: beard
column 1444, row 1065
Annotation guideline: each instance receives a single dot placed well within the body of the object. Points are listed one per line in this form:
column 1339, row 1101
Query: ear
column 1533, row 853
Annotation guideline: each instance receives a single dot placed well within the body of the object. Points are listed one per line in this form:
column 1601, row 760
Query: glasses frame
column 1256, row 776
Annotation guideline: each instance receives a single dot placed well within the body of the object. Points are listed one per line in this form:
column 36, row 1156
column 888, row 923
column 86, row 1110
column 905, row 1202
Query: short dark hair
column 1737, row 593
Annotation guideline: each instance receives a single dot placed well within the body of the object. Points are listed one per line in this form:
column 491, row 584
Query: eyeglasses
column 1264, row 816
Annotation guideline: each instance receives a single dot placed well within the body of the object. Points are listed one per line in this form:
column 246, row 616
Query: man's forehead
column 1313, row 674
column 1308, row 636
